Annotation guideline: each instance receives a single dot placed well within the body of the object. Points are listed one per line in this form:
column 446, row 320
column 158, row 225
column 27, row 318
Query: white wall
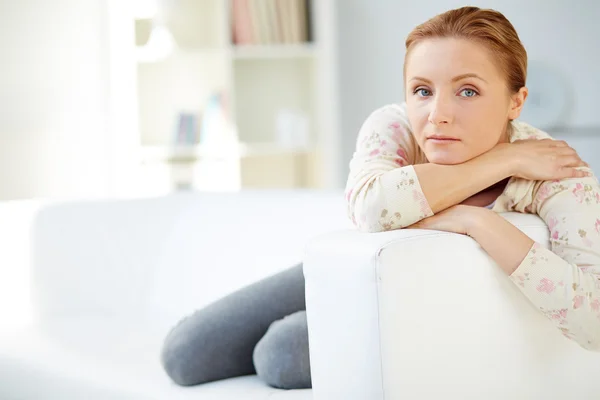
column 371, row 52
column 55, row 89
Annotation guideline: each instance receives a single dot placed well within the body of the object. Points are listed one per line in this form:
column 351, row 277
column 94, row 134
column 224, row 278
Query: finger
column 580, row 163
column 579, row 173
column 559, row 143
column 565, row 151
column 570, row 172
column 526, row 140
column 572, row 161
column 583, row 164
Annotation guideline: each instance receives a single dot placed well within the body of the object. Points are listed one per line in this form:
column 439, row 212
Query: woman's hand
column 504, row 242
column 457, row 219
column 542, row 160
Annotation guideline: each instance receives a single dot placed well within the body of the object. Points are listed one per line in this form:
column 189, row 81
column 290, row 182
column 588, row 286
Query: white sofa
column 108, row 278
column 421, row 314
column 88, row 289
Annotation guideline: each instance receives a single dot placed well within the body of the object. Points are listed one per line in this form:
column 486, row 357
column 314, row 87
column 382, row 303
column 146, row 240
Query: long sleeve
column 564, row 281
column 383, row 191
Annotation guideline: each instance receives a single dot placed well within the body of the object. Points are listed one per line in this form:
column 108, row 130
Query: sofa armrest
column 424, row 314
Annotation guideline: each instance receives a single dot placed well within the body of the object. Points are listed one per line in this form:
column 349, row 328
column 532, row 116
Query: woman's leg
column 281, row 357
column 217, row 341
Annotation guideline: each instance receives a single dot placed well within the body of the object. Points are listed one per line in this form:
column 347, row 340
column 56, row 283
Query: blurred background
column 145, row 97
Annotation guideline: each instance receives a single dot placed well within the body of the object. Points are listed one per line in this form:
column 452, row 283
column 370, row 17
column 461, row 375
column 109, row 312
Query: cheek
column 492, row 110
column 482, row 138
column 418, row 121
column 484, row 122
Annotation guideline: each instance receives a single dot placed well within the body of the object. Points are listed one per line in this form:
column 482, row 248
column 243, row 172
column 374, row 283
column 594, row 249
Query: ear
column 517, row 101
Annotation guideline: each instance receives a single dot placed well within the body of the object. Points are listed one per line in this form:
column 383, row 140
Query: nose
column 440, row 112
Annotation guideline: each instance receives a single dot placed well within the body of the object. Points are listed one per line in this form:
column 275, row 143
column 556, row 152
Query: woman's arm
column 448, row 185
column 391, row 185
column 564, row 282
column 386, row 191
column 504, row 242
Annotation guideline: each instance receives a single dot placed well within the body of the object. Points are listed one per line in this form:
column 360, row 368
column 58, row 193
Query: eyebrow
column 455, row 79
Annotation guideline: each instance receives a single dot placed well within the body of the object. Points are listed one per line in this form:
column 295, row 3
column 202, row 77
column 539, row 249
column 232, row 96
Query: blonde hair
column 486, row 26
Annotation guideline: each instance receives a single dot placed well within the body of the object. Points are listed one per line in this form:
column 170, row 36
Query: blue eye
column 469, row 93
column 421, row 91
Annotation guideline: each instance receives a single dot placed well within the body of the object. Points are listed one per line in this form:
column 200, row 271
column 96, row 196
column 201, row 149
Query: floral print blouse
column 383, row 193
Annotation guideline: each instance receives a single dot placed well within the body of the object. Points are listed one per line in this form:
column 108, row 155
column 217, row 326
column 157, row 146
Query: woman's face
column 458, row 102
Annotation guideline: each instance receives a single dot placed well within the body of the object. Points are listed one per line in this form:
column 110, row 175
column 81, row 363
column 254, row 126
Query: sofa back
column 160, row 258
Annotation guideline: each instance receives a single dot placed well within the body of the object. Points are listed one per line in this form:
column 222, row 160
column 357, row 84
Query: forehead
column 449, row 57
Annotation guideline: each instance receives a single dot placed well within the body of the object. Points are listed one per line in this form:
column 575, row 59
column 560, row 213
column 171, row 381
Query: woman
column 464, row 79
column 433, row 164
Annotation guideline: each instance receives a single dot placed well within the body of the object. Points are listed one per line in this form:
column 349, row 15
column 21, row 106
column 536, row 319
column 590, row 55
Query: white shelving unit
column 259, row 81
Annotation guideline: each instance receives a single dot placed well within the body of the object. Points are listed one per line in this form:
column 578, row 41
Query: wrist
column 500, row 161
column 508, row 159
column 479, row 219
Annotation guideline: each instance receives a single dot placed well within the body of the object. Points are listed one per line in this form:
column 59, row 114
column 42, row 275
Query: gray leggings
column 259, row 329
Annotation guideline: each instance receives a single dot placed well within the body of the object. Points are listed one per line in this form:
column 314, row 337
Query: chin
column 444, row 158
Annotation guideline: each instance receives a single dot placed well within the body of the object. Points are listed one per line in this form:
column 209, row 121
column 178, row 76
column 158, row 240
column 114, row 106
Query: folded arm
column 392, row 186
column 563, row 281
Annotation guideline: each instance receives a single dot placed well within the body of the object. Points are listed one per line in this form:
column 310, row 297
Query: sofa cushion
column 168, row 256
column 105, row 358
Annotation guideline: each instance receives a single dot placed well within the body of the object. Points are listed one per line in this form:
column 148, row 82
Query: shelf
column 268, row 52
column 286, row 51
column 269, row 149
column 183, row 153
column 187, row 53
column 192, row 23
column 275, row 100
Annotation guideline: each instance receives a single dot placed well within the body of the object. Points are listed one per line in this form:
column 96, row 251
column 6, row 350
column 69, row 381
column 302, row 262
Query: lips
column 442, row 138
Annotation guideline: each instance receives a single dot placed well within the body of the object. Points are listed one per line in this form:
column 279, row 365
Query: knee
column 172, row 358
column 281, row 357
column 180, row 360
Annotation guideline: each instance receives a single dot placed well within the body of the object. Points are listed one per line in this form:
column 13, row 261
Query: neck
column 505, row 137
